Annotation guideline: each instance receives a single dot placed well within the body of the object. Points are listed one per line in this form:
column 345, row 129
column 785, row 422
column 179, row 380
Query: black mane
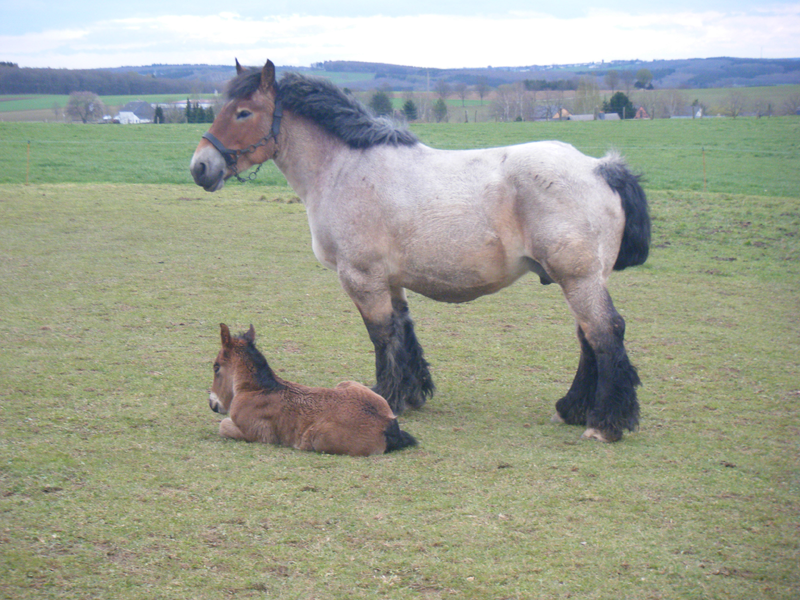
column 264, row 375
column 328, row 106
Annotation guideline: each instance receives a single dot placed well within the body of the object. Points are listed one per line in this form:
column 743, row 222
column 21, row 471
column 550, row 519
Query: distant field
column 745, row 155
column 40, row 107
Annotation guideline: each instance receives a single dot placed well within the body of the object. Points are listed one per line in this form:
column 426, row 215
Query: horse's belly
column 447, row 281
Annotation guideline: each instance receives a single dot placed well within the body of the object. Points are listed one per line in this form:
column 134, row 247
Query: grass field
column 746, row 155
column 114, row 483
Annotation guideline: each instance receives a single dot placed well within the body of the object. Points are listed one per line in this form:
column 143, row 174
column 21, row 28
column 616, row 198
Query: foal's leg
column 228, row 429
column 603, row 394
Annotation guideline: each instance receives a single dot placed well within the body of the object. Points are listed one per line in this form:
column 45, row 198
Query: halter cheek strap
column 231, row 156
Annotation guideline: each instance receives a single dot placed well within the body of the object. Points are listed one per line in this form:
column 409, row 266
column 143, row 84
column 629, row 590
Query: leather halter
column 231, row 156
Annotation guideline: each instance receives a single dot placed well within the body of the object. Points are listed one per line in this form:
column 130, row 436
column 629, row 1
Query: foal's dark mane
column 264, row 375
column 328, row 106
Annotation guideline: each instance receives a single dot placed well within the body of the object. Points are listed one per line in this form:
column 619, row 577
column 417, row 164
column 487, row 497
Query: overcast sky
column 464, row 33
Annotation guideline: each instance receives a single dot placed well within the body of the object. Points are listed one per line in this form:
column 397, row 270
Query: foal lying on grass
column 348, row 419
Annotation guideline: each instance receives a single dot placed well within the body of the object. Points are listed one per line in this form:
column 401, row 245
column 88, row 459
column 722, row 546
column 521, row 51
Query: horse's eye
column 216, row 367
column 243, row 114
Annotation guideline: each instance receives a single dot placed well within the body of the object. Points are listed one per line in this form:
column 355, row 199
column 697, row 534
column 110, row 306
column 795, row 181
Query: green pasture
column 117, row 271
column 745, row 155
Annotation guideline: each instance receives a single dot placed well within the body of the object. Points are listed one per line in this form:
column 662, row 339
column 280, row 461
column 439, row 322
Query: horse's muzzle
column 215, row 405
column 208, row 170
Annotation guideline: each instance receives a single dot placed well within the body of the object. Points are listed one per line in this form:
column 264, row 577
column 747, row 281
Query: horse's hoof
column 595, row 434
column 557, row 420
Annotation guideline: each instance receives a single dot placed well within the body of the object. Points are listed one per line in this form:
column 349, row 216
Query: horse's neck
column 307, row 155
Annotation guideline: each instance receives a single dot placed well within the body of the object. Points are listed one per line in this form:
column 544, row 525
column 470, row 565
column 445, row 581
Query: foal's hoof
column 556, row 419
column 596, row 434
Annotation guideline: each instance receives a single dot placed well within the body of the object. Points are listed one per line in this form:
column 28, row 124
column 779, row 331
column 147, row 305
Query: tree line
column 15, row 80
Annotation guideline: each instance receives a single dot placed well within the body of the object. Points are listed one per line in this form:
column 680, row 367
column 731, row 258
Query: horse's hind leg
column 573, row 407
column 603, row 394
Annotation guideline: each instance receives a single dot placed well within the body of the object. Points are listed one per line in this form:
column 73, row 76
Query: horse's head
column 245, row 131
column 228, row 362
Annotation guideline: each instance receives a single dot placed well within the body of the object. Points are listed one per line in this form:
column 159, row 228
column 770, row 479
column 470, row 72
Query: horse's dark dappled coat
column 387, row 213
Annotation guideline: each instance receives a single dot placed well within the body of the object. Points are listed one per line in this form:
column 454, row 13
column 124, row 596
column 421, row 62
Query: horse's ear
column 250, row 336
column 225, row 333
column 267, row 76
column 239, row 68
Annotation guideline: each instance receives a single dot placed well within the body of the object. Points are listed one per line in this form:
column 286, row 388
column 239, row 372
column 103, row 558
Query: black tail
column 635, row 244
column 397, row 439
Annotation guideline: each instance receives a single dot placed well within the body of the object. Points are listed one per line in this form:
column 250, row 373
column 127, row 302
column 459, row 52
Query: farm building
column 136, row 112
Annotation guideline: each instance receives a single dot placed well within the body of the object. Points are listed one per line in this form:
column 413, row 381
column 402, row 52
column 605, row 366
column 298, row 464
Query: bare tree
column 462, row 90
column 671, row 102
column 513, row 102
column 442, row 89
column 612, row 80
column 627, row 77
column 735, row 103
column 84, row 106
column 587, row 96
column 503, row 103
column 791, row 104
column 648, row 99
column 552, row 104
column 482, row 87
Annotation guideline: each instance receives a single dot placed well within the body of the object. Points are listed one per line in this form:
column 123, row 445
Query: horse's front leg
column 401, row 371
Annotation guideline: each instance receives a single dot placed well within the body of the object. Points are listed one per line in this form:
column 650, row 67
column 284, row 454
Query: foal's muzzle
column 215, row 405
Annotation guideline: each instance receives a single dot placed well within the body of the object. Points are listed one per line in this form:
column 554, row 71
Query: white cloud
column 521, row 38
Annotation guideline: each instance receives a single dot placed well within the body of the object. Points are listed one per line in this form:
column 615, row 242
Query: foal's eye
column 216, row 368
column 243, row 114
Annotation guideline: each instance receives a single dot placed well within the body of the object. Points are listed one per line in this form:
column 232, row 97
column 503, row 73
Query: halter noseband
column 232, row 156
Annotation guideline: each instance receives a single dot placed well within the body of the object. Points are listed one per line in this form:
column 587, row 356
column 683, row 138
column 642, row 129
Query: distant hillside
column 159, row 79
column 690, row 73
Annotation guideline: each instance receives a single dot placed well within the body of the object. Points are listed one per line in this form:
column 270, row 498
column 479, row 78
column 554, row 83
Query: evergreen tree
column 440, row 111
column 380, row 103
column 620, row 104
column 159, row 116
column 410, row 110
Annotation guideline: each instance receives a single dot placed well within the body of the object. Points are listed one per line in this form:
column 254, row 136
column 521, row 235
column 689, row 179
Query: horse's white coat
column 452, row 225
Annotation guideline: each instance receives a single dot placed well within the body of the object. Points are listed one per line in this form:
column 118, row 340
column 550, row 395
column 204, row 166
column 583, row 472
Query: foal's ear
column 250, row 336
column 239, row 68
column 225, row 333
column 267, row 76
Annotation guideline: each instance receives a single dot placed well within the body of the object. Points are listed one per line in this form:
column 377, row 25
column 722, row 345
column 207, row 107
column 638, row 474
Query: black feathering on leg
column 402, row 373
column 574, row 407
column 616, row 406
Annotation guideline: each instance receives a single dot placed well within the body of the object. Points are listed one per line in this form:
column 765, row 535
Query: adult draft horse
column 388, row 213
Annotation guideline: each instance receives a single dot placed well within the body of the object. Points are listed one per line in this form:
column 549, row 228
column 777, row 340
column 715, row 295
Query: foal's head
column 228, row 367
column 239, row 366
column 243, row 133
